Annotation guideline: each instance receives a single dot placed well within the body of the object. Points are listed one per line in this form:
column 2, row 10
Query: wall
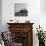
column 0, row 14
column 43, row 13
column 34, row 15
column 43, row 5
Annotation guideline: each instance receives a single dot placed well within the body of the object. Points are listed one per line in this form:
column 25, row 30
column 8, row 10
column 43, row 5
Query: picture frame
column 20, row 9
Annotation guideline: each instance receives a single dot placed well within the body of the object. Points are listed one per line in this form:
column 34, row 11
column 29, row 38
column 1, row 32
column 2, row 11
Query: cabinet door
column 20, row 37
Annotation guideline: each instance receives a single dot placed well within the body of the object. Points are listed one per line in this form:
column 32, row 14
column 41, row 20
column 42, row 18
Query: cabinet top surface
column 19, row 23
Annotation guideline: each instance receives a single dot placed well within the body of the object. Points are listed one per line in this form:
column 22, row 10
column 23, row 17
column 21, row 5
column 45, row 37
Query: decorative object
column 41, row 36
column 27, row 21
column 13, row 21
column 20, row 9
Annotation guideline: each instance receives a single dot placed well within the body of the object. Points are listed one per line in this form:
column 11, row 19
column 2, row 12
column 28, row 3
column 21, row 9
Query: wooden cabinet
column 22, row 33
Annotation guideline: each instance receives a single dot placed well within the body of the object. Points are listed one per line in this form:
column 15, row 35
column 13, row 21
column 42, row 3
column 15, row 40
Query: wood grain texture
column 22, row 27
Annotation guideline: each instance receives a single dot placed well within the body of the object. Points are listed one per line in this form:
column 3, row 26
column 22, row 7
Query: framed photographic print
column 20, row 9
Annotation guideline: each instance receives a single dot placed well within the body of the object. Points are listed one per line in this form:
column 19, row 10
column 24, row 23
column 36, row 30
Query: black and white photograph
column 21, row 9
